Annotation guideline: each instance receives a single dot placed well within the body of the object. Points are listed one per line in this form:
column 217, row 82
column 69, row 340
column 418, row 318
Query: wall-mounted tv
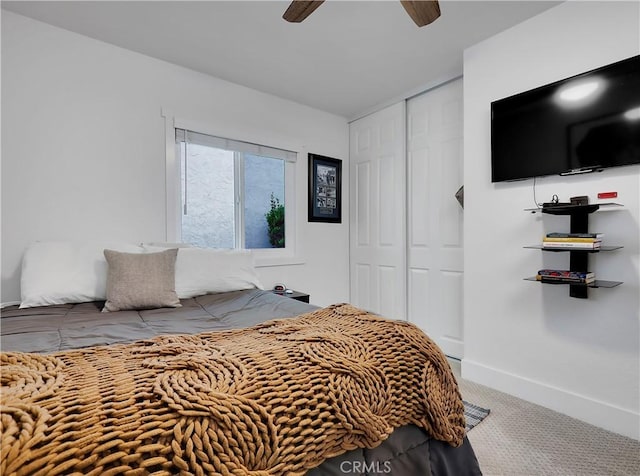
column 580, row 124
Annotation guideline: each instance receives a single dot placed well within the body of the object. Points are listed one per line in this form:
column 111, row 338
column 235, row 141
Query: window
column 233, row 193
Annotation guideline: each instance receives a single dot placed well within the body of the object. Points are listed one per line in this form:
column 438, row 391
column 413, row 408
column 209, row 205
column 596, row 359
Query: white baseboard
column 597, row 413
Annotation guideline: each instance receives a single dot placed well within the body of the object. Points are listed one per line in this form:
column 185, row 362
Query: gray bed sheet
column 71, row 326
column 409, row 451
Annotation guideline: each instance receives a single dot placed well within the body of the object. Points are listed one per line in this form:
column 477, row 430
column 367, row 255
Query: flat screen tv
column 580, row 124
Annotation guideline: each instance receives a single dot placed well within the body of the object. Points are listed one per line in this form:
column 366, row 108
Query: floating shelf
column 575, row 250
column 598, row 283
column 568, row 209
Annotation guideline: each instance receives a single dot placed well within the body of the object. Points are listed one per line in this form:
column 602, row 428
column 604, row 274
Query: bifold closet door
column 434, row 232
column 377, row 200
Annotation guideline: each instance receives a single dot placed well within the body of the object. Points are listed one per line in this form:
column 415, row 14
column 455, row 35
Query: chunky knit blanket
column 277, row 398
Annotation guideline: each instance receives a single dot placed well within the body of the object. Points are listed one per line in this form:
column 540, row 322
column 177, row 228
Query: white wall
column 83, row 149
column 579, row 357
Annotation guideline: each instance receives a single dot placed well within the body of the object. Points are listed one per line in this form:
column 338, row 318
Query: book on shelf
column 565, row 276
column 554, row 279
column 575, row 235
column 571, row 245
column 566, row 273
column 548, row 239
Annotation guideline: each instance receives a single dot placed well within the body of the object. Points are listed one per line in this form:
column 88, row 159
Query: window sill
column 269, row 261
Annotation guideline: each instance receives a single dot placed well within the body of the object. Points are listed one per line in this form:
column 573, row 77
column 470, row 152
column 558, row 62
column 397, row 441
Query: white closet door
column 435, row 252
column 377, row 200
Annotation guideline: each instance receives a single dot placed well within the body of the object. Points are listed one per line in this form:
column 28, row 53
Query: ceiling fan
column 422, row 12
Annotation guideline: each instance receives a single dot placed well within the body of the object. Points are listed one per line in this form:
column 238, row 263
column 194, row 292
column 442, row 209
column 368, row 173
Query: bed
column 42, row 347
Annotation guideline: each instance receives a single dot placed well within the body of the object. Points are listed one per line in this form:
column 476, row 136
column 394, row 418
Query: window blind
column 191, row 137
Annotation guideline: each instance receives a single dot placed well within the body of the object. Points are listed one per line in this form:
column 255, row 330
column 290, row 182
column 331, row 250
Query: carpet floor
column 519, row 438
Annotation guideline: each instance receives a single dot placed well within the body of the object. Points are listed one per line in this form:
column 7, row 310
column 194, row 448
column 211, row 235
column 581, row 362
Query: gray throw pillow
column 141, row 280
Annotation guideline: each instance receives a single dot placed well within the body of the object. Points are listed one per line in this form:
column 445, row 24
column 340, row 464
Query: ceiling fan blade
column 422, row 12
column 301, row 9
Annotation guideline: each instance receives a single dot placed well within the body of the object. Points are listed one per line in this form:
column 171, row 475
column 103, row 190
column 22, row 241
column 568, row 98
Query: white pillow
column 202, row 271
column 60, row 272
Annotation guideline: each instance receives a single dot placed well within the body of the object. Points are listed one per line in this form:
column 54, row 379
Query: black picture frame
column 325, row 189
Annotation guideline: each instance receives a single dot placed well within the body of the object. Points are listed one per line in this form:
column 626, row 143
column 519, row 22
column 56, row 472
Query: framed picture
column 325, row 189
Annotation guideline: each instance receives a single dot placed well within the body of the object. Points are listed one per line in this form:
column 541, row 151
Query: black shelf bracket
column 579, row 216
column 579, row 261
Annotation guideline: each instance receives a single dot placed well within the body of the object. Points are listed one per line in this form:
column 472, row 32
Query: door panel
column 363, row 282
column 435, row 250
column 377, row 201
column 363, row 193
column 387, row 224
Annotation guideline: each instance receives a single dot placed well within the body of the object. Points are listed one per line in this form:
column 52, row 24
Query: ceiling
column 347, row 58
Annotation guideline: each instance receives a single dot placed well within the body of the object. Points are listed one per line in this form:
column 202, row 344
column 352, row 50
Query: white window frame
column 289, row 255
column 238, row 212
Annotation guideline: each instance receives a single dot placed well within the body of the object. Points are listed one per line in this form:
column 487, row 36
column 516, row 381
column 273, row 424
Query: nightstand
column 298, row 296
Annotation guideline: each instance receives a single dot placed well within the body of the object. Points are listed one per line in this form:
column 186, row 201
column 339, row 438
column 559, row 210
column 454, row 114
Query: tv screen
column 584, row 123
